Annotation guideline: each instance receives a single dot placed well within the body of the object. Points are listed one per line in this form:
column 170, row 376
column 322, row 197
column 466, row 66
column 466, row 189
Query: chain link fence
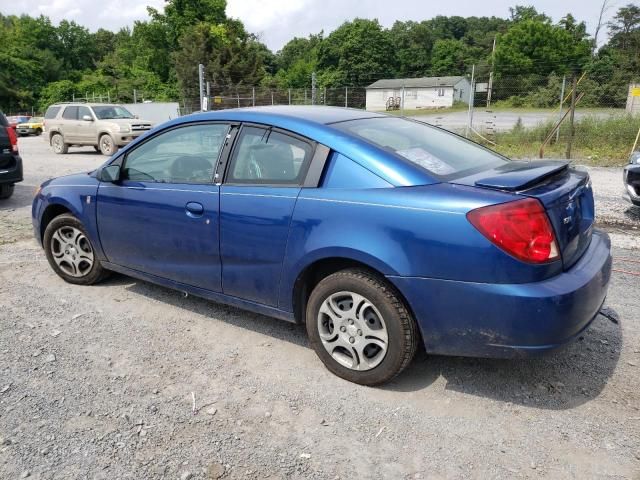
column 521, row 116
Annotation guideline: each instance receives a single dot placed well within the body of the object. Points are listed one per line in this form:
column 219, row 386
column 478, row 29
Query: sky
column 277, row 21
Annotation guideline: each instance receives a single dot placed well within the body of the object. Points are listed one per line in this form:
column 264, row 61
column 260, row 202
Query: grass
column 598, row 141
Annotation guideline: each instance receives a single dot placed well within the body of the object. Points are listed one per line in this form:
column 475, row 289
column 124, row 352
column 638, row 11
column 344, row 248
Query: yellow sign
column 635, row 91
column 219, row 99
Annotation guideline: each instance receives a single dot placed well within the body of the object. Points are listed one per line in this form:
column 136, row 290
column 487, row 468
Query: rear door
column 69, row 124
column 265, row 173
column 162, row 218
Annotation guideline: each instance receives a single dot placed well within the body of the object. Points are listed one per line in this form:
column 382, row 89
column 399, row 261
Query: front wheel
column 107, row 145
column 70, row 253
column 360, row 328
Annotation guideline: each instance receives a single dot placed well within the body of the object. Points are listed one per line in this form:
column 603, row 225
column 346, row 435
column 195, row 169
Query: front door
column 162, row 217
column 86, row 129
column 264, row 176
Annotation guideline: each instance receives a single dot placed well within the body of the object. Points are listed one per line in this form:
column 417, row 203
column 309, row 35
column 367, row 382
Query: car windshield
column 17, row 119
column 442, row 153
column 108, row 112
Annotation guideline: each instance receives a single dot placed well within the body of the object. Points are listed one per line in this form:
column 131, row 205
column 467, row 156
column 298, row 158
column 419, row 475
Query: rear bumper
column 510, row 320
column 12, row 174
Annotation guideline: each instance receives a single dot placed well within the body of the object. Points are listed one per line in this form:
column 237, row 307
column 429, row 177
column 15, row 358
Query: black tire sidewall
column 95, row 274
column 353, row 281
column 6, row 191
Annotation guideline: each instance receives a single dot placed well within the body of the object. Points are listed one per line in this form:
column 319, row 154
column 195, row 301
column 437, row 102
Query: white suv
column 103, row 126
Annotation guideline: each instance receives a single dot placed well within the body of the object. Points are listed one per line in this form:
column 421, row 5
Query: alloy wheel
column 72, row 252
column 352, row 331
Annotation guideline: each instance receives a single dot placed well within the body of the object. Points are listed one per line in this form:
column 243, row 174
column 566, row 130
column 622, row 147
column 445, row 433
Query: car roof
column 316, row 114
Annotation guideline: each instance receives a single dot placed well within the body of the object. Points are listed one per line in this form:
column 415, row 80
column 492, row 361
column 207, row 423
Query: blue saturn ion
column 376, row 232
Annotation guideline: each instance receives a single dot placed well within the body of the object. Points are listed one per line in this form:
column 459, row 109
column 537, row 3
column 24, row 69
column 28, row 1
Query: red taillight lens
column 520, row 228
column 13, row 139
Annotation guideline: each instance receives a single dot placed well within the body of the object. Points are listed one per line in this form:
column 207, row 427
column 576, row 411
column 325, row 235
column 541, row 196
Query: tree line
column 41, row 63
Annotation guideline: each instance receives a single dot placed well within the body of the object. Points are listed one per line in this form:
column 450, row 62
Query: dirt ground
column 99, row 383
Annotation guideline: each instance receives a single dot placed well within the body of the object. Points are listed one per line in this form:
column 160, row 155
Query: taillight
column 13, row 139
column 520, row 228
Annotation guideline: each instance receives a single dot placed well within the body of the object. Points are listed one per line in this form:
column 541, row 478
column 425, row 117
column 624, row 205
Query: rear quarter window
column 51, row 112
column 443, row 154
column 3, row 120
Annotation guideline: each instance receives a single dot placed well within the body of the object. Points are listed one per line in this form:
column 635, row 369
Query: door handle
column 194, row 209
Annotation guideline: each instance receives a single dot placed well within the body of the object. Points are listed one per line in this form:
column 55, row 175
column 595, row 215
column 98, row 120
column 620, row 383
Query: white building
column 425, row 92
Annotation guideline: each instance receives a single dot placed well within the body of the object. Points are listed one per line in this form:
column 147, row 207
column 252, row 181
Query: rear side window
column 266, row 157
column 70, row 113
column 441, row 153
column 3, row 120
column 51, row 112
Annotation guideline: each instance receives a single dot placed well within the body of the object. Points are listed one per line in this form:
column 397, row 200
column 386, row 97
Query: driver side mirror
column 110, row 173
column 87, row 118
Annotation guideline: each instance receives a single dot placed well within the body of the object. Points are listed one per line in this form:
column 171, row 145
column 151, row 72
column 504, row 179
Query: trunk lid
column 565, row 193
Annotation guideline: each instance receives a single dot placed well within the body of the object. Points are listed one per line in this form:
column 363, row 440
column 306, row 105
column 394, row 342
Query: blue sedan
column 378, row 233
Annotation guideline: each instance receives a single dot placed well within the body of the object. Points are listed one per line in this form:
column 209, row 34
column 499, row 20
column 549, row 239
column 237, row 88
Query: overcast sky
column 277, row 21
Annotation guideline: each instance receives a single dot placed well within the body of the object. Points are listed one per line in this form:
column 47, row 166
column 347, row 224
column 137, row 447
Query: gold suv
column 105, row 127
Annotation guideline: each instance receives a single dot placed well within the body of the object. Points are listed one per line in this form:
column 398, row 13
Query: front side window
column 263, row 156
column 182, row 155
column 82, row 111
column 70, row 113
column 441, row 153
column 108, row 112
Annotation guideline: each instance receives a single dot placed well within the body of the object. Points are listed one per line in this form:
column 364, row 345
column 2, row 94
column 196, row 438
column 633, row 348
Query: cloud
column 277, row 21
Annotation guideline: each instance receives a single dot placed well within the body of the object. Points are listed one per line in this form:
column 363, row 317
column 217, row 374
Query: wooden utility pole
column 572, row 127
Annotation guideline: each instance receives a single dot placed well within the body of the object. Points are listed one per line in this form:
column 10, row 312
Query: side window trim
column 121, row 160
column 269, row 128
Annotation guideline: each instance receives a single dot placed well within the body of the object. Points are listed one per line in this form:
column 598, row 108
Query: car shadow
column 561, row 380
column 633, row 213
column 22, row 196
column 268, row 326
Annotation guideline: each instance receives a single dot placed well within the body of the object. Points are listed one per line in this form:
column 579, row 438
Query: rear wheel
column 58, row 145
column 360, row 328
column 6, row 191
column 107, row 145
column 70, row 253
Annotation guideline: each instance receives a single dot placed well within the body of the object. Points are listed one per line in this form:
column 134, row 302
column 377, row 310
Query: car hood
column 30, row 124
column 75, row 179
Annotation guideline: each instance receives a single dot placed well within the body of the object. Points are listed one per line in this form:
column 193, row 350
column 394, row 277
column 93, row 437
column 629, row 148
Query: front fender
column 76, row 194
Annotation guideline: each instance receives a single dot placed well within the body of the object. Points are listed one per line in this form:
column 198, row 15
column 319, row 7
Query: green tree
column 357, row 53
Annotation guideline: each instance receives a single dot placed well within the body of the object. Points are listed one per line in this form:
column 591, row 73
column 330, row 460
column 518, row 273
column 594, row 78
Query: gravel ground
column 99, row 382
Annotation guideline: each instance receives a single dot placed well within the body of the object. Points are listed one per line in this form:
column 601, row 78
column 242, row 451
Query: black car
column 631, row 176
column 10, row 161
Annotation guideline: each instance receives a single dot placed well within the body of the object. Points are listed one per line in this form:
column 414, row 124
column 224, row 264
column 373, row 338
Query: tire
column 107, row 145
column 72, row 264
column 351, row 348
column 38, row 132
column 58, row 145
column 97, row 148
column 6, row 191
